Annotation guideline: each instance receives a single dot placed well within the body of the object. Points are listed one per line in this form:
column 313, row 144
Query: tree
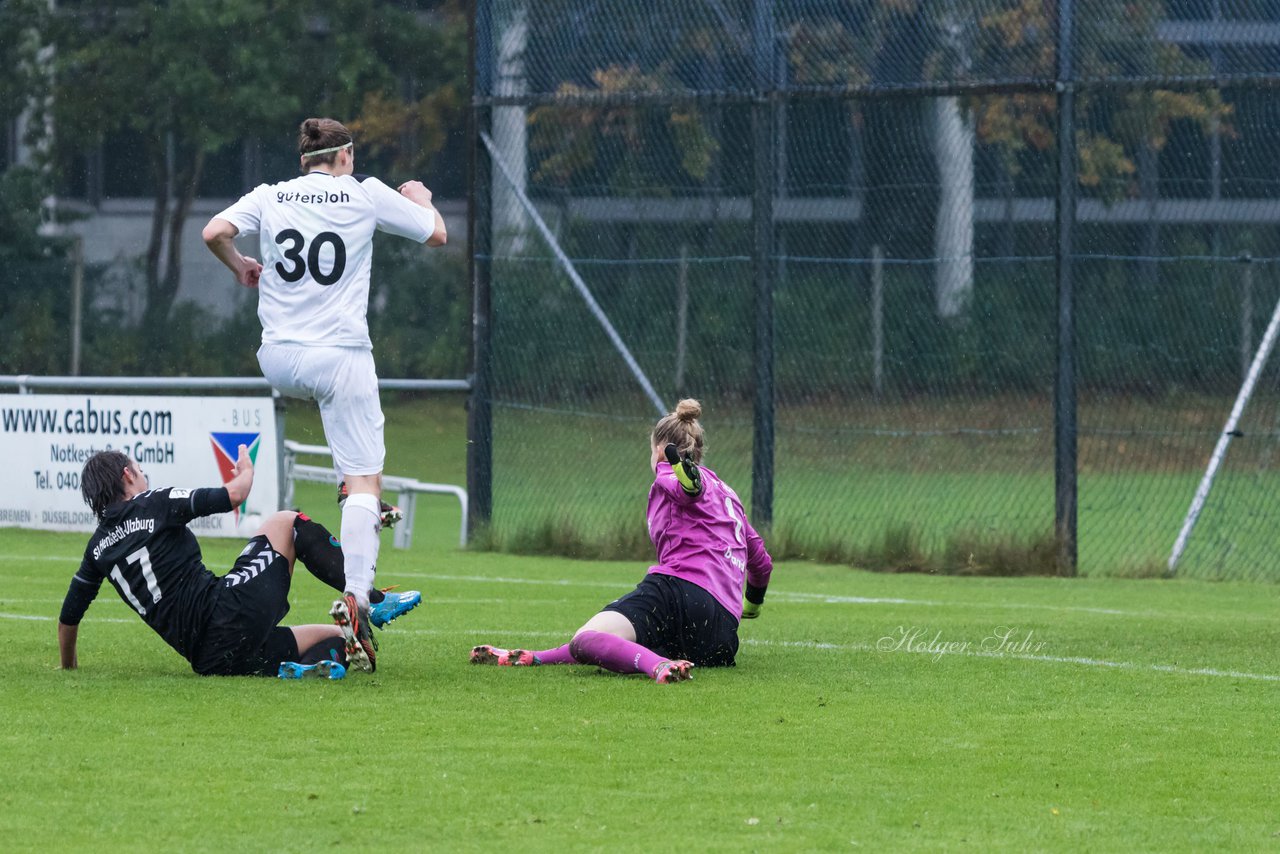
column 410, row 122
column 1119, row 48
column 188, row 78
column 191, row 77
column 953, row 145
column 572, row 140
column 23, row 54
column 1010, row 39
column 30, row 261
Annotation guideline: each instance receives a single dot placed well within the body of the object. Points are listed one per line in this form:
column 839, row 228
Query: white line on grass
column 452, row 601
column 777, row 595
column 1051, row 659
column 492, row 579
column 825, row 598
column 785, row 595
column 866, row 647
column 795, row 596
column 825, row 646
column 41, row 618
column 1131, row 665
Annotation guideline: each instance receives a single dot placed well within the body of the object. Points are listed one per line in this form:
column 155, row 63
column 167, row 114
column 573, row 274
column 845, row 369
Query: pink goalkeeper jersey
column 706, row 539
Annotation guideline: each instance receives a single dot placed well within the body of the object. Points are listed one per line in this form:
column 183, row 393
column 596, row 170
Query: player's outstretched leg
column 614, row 653
column 486, row 654
column 555, row 655
column 392, row 605
column 362, row 649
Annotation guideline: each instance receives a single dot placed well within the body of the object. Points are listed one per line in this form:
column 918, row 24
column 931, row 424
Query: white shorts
column 345, row 384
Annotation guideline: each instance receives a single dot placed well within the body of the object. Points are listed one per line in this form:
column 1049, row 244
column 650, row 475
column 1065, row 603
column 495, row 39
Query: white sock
column 361, row 521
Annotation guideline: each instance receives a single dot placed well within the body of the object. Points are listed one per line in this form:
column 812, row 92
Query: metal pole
column 877, row 321
column 1065, row 426
column 479, row 243
column 575, row 278
column 27, row 381
column 682, row 317
column 284, row 485
column 1215, row 180
column 765, row 162
column 77, row 300
column 1228, row 433
column 1246, row 314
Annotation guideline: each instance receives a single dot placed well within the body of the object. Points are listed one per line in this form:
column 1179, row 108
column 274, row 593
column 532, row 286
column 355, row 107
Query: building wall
column 116, row 235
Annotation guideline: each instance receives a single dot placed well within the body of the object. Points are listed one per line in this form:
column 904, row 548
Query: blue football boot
column 392, row 606
column 319, row 670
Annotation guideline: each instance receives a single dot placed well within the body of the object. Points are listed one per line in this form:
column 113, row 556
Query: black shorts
column 243, row 636
column 678, row 619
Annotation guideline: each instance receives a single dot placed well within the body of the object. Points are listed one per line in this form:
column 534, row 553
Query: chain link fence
column 837, row 225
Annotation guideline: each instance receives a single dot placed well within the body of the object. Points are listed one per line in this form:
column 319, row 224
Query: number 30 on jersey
column 293, row 242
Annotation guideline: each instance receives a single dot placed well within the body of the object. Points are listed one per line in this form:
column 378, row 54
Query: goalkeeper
column 687, row 609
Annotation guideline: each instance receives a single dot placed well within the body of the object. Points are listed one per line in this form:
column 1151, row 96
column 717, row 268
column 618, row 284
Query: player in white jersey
column 316, row 242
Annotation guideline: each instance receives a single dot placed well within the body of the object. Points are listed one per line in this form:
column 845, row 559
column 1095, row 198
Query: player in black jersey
column 224, row 625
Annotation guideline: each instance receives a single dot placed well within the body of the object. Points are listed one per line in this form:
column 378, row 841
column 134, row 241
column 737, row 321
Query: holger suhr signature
column 1003, row 640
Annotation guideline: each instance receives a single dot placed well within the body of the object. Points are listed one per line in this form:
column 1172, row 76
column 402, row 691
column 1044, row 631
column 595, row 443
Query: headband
column 327, row 150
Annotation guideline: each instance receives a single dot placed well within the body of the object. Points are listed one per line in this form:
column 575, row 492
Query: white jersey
column 316, row 252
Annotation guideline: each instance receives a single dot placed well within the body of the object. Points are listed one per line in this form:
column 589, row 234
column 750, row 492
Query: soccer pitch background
column 899, row 487
column 868, row 711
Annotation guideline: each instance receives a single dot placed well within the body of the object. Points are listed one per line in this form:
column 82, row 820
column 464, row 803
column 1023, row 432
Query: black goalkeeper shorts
column 243, row 637
column 678, row 619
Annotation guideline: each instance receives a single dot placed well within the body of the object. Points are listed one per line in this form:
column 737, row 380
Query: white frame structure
column 1228, row 433
column 288, row 469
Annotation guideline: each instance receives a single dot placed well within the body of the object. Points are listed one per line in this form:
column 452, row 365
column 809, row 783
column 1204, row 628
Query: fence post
column 877, row 321
column 1066, row 471
column 765, row 164
column 283, row 483
column 1246, row 315
column 479, row 242
column 77, row 300
column 682, row 317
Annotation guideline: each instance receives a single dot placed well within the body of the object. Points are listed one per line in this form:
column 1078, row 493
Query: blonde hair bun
column 682, row 429
column 688, row 410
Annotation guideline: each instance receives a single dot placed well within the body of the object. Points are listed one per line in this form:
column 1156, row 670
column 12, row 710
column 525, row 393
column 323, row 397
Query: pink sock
column 559, row 655
column 613, row 653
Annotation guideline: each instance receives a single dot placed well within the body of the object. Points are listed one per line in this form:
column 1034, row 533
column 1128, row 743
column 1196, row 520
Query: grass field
column 1121, row 715
column 868, row 712
column 954, row 486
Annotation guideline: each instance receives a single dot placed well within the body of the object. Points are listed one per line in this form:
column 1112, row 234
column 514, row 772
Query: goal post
column 571, row 271
column 1229, row 432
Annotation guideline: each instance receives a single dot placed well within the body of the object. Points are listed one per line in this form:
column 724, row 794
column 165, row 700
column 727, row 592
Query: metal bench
column 406, row 488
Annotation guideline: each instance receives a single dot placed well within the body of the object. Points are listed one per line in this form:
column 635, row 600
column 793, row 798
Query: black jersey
column 144, row 548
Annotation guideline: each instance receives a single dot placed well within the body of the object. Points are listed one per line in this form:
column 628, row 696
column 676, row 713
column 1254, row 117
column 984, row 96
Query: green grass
column 570, row 482
column 1143, row 721
column 888, row 504
column 1138, row 715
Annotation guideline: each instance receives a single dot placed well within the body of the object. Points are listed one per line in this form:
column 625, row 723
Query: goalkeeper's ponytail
column 682, row 429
